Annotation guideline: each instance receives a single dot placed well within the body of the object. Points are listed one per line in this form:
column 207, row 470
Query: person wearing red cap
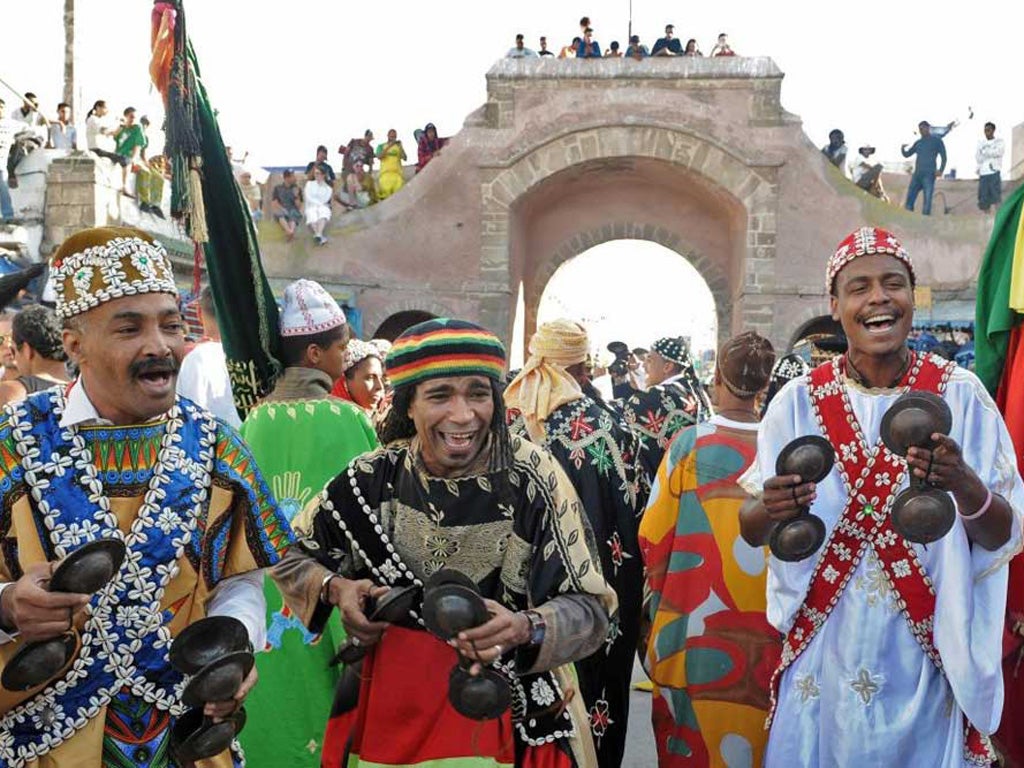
column 892, row 651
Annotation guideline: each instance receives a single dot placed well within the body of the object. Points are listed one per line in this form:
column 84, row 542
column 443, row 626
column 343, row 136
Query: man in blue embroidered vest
column 117, row 455
column 893, row 650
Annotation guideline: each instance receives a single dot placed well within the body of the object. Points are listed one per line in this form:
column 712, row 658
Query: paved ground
column 640, row 749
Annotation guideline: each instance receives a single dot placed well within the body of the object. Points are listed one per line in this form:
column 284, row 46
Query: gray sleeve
column 575, row 627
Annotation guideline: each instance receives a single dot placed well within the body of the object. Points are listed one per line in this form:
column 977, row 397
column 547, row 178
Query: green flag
column 994, row 318
column 210, row 206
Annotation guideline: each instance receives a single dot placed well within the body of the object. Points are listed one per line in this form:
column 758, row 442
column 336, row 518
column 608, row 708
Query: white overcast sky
column 286, row 76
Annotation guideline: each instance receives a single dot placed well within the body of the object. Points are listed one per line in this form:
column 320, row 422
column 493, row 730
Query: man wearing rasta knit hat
column 548, row 405
column 451, row 490
column 674, row 399
column 301, row 437
column 929, row 645
column 117, row 455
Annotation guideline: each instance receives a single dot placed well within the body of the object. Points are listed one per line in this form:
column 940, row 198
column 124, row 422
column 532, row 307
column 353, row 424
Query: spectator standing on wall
column 613, row 51
column 520, row 51
column 927, row 148
column 392, row 155
column 569, row 51
column 667, row 45
column 990, row 165
column 63, row 134
column 588, row 48
column 358, row 152
column 722, row 47
column 130, row 140
column 636, row 50
column 544, row 48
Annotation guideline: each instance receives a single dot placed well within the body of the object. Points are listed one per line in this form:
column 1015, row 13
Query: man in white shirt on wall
column 990, row 165
column 203, row 377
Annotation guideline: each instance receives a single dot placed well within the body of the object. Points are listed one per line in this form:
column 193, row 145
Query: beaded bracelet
column 980, row 512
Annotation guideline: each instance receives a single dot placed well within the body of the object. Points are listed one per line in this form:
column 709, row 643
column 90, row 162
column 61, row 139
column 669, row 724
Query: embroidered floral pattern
column 123, row 640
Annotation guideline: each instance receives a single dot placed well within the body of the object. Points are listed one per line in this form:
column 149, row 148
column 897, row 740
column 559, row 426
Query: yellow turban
column 544, row 385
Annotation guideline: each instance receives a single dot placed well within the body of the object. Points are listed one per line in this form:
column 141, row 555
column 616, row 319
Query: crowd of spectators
column 929, row 153
column 584, row 46
column 123, row 142
column 357, row 186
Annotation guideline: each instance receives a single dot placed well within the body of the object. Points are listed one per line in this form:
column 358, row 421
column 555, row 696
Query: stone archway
column 716, row 280
column 588, row 185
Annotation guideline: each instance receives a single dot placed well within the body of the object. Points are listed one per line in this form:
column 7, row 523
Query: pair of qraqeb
column 451, row 603
column 921, row 513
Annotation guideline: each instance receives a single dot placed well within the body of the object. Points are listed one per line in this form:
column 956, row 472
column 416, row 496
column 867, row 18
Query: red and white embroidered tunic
column 890, row 646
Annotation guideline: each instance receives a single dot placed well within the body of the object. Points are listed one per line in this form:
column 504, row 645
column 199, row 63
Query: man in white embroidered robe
column 856, row 686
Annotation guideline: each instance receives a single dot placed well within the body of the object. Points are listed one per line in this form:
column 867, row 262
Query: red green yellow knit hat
column 442, row 347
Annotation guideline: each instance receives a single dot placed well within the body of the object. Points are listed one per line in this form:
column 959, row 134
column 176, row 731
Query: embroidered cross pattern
column 865, row 521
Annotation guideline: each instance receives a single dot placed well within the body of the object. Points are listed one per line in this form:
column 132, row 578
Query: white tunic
column 863, row 693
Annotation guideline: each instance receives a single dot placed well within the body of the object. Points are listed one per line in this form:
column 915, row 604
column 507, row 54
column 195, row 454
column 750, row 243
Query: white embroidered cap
column 309, row 309
column 101, row 264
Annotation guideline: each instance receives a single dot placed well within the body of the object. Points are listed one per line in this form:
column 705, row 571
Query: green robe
column 299, row 445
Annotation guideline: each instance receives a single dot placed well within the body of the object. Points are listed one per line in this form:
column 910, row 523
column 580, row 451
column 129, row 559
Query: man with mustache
column 117, row 455
column 893, row 650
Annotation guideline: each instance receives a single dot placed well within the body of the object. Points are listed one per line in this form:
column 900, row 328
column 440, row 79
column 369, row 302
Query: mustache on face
column 153, row 365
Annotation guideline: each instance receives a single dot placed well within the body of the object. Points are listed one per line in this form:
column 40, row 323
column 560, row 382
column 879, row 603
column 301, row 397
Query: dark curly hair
column 39, row 327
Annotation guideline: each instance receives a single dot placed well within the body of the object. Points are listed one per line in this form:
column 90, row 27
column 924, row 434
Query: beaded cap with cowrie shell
column 865, row 242
column 98, row 265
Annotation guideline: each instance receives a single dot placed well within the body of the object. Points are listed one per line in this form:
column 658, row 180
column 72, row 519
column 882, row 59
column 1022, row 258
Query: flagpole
column 630, row 36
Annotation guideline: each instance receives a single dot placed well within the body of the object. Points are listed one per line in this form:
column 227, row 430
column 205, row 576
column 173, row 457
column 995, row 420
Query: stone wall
column 697, row 154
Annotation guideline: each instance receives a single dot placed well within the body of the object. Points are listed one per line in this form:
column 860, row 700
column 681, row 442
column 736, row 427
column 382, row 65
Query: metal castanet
column 89, row 568
column 219, row 680
column 479, row 697
column 812, row 458
column 921, row 513
column 392, row 607
column 196, row 737
column 85, row 571
column 911, row 421
column 453, row 608
column 204, row 641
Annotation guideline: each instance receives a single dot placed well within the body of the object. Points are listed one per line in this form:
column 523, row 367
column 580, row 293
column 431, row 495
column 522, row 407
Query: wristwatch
column 537, row 628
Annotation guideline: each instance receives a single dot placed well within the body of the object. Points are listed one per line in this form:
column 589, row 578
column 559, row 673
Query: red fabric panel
column 1010, row 399
column 403, row 716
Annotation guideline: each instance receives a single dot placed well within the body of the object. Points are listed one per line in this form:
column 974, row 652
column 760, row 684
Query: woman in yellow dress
column 391, row 157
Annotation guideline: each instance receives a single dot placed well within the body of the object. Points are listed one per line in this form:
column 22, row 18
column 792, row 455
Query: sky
column 286, row 77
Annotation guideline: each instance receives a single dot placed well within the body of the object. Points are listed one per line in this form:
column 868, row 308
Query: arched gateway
column 695, row 154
